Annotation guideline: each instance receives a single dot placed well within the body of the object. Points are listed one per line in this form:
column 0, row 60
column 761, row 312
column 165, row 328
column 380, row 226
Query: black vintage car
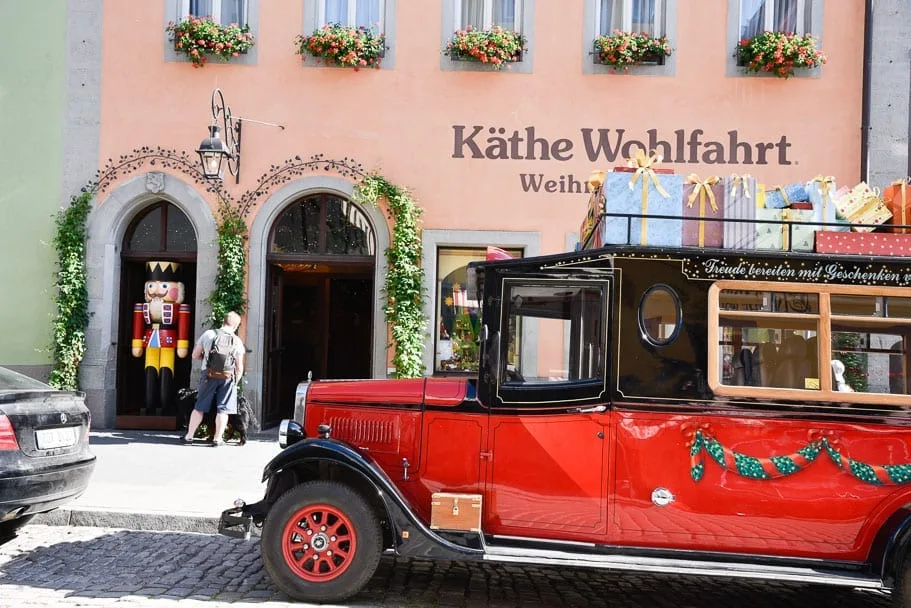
column 45, row 460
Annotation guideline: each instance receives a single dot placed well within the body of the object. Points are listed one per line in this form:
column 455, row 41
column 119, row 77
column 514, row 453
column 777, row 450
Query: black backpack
column 220, row 362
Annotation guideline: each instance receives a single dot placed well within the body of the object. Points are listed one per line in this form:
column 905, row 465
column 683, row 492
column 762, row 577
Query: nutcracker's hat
column 162, row 271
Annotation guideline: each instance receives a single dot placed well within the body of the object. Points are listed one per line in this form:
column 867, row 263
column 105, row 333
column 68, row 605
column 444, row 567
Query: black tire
column 8, row 529
column 321, row 505
column 901, row 593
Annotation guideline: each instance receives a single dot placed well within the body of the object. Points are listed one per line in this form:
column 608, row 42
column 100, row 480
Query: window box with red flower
column 200, row 38
column 495, row 47
column 623, row 50
column 778, row 53
column 344, row 46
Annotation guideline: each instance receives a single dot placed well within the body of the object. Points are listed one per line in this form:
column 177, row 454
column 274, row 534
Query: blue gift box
column 822, row 195
column 780, row 197
column 620, row 198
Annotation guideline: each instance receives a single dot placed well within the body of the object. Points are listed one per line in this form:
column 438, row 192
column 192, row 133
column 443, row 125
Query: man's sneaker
column 184, row 440
column 217, row 442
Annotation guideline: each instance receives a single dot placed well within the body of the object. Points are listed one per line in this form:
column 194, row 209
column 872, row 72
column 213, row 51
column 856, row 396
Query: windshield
column 14, row 381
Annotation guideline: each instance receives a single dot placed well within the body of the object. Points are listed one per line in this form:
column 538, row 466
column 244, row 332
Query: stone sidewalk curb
column 129, row 520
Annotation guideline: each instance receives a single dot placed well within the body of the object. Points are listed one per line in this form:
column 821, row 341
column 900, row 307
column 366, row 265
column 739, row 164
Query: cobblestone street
column 70, row 566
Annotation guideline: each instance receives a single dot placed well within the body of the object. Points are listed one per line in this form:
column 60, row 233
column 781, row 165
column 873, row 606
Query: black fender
column 411, row 537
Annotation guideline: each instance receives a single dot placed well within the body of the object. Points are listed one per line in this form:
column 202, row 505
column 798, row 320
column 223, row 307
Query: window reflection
column 147, row 233
column 161, row 227
column 458, row 317
column 560, row 310
column 757, row 16
column 323, row 224
column 771, row 339
column 769, row 352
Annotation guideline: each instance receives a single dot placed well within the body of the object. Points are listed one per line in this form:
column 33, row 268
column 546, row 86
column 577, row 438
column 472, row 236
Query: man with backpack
column 222, row 354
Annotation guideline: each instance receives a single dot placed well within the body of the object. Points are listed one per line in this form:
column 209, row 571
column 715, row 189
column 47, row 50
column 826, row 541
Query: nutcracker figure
column 161, row 326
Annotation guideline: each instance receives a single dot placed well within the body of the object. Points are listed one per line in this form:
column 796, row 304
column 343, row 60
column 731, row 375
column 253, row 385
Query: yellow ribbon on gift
column 740, row 180
column 825, row 184
column 642, row 163
column 702, row 188
column 903, row 185
column 785, row 232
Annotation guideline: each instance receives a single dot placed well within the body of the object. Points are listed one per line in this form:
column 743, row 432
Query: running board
column 663, row 565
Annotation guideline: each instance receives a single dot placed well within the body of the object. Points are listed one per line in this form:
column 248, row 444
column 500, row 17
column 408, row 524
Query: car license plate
column 49, row 439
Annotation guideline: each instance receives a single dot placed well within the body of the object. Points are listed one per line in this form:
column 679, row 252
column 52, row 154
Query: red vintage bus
column 714, row 412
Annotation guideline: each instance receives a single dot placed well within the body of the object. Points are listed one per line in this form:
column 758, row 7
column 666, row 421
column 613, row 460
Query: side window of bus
column 570, row 333
column 870, row 336
column 771, row 339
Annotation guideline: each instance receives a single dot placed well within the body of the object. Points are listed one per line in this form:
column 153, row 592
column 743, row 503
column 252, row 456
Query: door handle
column 589, row 410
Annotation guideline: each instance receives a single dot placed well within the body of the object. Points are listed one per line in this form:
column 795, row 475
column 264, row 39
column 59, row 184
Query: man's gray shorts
column 221, row 392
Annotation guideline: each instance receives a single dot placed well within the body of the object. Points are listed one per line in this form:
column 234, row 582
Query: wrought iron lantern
column 222, row 147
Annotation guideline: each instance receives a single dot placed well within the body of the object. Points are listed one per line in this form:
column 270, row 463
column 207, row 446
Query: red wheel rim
column 318, row 543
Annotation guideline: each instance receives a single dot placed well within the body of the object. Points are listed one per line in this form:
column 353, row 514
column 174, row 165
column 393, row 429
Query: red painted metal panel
column 452, row 458
column 547, row 476
column 389, row 435
column 818, row 511
column 445, row 392
column 397, row 392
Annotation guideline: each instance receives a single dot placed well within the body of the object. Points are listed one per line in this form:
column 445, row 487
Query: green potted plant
column 495, row 47
column 351, row 47
column 623, row 50
column 199, row 38
column 778, row 53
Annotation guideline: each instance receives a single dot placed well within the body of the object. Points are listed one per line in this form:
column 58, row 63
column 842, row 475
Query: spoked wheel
column 321, row 542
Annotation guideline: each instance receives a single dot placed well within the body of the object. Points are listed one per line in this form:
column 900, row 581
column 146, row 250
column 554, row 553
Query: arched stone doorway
column 160, row 231
column 320, row 291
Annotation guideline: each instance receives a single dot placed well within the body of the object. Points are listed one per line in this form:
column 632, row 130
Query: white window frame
column 769, row 17
column 488, row 14
column 626, row 16
column 666, row 12
column 352, row 14
column 216, row 11
column 175, row 10
column 735, row 19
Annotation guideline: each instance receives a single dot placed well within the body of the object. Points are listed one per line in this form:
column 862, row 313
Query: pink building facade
column 493, row 157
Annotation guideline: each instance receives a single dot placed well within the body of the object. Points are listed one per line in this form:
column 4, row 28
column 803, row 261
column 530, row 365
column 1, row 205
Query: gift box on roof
column 780, row 197
column 864, row 243
column 897, row 198
column 703, row 198
column 862, row 205
column 785, row 229
column 740, row 203
column 822, row 191
column 643, row 193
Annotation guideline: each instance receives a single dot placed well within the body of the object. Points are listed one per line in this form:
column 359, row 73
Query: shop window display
column 458, row 318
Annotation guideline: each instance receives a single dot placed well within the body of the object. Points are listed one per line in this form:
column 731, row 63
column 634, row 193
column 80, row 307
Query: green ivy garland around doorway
column 229, row 293
column 404, row 286
column 72, row 301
